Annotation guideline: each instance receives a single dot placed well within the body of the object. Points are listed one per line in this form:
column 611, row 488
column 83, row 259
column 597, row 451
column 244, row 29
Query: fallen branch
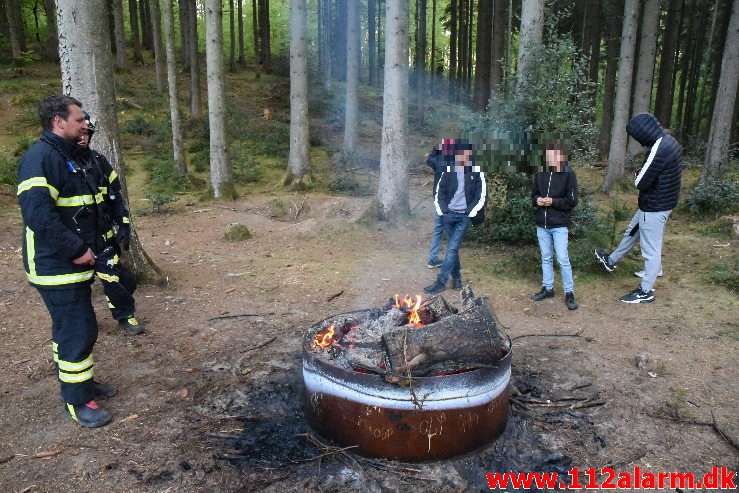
column 46, row 454
column 240, row 315
column 576, row 334
column 334, row 296
column 711, row 423
column 260, row 346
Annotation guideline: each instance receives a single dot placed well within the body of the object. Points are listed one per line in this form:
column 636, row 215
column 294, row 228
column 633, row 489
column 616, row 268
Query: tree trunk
column 133, row 15
column 195, row 110
column 242, row 57
column 645, row 66
column 52, row 41
column 145, row 17
column 264, row 36
column 591, row 38
column 498, row 45
column 255, row 31
column 453, row 49
column 232, row 36
column 483, row 67
column 17, row 28
column 353, row 56
column 180, row 165
column 160, row 58
column 617, row 151
column 665, row 84
column 87, row 74
column 461, row 41
column 609, row 87
column 325, row 44
column 184, row 17
column 298, row 165
column 421, row 66
column 719, row 137
column 532, row 32
column 432, row 63
column 220, row 169
column 339, row 41
column 121, row 58
column 392, row 193
column 371, row 44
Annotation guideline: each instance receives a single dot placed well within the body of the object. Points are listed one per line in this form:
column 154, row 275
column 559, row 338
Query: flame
column 325, row 337
column 413, row 317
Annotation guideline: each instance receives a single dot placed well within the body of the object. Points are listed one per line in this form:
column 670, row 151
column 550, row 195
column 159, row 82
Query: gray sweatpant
column 647, row 228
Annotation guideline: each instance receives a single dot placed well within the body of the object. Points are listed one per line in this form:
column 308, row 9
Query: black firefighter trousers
column 118, row 286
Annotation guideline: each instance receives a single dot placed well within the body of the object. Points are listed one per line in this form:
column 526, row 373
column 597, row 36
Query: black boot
column 89, row 415
column 543, row 294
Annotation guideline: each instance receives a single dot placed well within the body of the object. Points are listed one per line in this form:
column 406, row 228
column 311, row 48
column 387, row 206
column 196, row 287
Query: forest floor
column 199, row 386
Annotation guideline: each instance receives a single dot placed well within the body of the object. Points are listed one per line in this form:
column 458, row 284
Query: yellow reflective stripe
column 125, row 220
column 55, row 350
column 75, row 377
column 110, row 304
column 70, row 408
column 113, row 175
column 30, row 252
column 85, row 364
column 108, row 234
column 79, row 200
column 60, row 279
column 106, row 277
column 37, row 181
column 103, row 190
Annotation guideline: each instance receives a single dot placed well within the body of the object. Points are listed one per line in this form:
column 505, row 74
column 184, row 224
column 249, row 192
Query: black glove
column 123, row 237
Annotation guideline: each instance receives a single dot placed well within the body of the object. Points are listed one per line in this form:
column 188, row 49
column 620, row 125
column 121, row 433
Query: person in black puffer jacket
column 658, row 182
column 554, row 194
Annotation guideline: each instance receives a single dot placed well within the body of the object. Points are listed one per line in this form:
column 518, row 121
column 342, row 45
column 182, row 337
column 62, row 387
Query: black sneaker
column 433, row 264
column 456, row 283
column 605, row 259
column 570, row 300
column 543, row 294
column 638, row 296
column 436, row 288
column 103, row 390
column 89, row 415
column 130, row 326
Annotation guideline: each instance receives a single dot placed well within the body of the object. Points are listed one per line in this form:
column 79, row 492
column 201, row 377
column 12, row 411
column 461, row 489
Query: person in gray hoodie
column 658, row 182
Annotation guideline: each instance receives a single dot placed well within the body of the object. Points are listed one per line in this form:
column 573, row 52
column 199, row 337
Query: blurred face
column 84, row 139
column 463, row 158
column 555, row 158
column 72, row 127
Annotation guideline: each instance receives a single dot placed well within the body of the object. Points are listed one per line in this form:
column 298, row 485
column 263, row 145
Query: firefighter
column 118, row 283
column 62, row 230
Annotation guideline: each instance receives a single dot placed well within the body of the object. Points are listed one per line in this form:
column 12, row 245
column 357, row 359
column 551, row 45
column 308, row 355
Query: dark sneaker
column 433, row 264
column 605, row 259
column 131, row 326
column 570, row 300
column 103, row 390
column 640, row 273
column 89, row 415
column 435, row 288
column 638, row 296
column 456, row 283
column 543, row 294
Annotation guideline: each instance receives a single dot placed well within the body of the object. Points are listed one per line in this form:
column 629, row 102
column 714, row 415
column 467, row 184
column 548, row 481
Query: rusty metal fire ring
column 459, row 412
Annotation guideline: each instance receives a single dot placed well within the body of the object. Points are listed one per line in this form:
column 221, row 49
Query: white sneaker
column 641, row 273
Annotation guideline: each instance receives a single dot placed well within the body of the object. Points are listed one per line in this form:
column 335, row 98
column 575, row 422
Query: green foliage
column 725, row 275
column 246, row 168
column 237, row 232
column 149, row 131
column 8, row 168
column 715, row 196
column 26, row 58
column 159, row 200
column 347, row 184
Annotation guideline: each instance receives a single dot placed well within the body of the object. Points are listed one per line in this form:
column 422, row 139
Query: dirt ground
column 197, row 389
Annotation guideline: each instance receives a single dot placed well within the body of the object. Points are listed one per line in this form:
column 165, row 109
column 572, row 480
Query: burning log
column 468, row 340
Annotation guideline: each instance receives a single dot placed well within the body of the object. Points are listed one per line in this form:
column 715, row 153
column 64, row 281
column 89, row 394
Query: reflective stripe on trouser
column 74, row 331
column 118, row 285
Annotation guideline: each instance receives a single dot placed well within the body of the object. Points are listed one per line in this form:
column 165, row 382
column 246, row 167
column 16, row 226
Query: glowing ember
column 413, row 317
column 325, row 337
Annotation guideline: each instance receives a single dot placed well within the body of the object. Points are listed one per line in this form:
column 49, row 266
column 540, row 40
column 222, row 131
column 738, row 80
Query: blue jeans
column 436, row 238
column 456, row 225
column 554, row 241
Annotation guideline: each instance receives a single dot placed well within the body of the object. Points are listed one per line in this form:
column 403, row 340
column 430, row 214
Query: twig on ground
column 711, row 423
column 240, row 315
column 259, row 346
column 576, row 334
column 334, row 296
column 298, row 209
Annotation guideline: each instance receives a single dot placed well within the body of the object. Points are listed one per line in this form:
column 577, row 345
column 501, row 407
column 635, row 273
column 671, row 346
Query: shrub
column 8, row 168
column 246, row 168
column 715, row 196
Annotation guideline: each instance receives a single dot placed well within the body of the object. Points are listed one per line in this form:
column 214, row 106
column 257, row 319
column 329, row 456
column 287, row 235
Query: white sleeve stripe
column 483, row 196
column 436, row 195
column 644, row 168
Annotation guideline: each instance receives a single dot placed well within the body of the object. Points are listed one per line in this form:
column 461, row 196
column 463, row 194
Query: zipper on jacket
column 549, row 187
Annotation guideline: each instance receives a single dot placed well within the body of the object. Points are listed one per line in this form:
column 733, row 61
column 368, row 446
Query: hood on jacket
column 645, row 128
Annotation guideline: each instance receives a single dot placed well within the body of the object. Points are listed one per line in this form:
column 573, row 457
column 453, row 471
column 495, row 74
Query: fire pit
column 411, row 381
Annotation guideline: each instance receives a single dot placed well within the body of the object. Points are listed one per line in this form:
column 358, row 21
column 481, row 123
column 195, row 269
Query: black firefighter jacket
column 61, row 213
column 658, row 180
column 561, row 186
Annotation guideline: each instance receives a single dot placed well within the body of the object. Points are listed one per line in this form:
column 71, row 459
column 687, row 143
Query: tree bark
column 160, row 58
column 52, row 41
column 133, row 15
column 421, row 66
column 392, row 194
column 645, row 66
column 371, row 43
column 184, row 18
column 665, row 85
column 432, row 63
column 264, row 36
column 609, row 87
column 145, row 17
column 221, row 177
column 16, row 27
column 353, row 55
column 532, row 32
column 121, row 57
column 255, row 31
column 298, row 165
column 483, row 67
column 719, row 137
column 180, row 165
column 232, row 36
column 617, row 151
column 87, row 74
column 242, row 56
column 453, row 36
column 195, row 110
column 498, row 45
column 325, row 44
